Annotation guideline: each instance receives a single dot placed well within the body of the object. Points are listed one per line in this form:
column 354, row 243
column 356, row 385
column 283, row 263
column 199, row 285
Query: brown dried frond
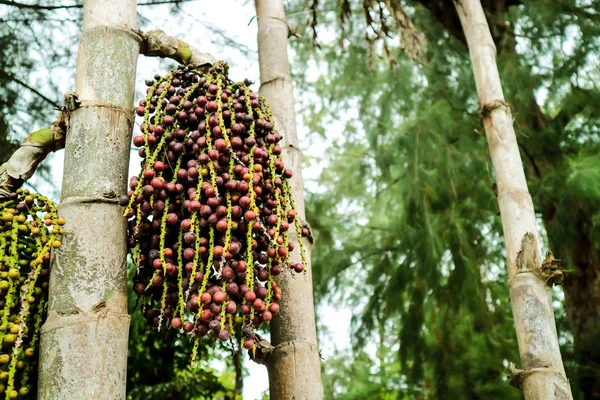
column 344, row 16
column 412, row 41
column 313, row 21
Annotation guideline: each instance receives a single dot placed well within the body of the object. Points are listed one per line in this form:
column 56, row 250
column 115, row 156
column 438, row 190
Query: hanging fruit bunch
column 30, row 229
column 210, row 211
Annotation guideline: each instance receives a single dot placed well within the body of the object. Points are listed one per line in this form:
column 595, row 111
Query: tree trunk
column 294, row 367
column 582, row 299
column 543, row 376
column 582, row 288
column 84, row 340
column 239, row 372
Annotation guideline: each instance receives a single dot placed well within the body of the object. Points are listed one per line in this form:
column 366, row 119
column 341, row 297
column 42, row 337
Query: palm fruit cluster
column 30, row 229
column 210, row 213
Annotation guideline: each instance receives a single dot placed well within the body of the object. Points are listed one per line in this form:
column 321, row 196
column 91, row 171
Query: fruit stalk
column 157, row 43
column 34, row 149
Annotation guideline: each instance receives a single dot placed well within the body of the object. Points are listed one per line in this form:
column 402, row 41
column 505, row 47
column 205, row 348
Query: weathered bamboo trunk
column 543, row 376
column 84, row 340
column 294, row 367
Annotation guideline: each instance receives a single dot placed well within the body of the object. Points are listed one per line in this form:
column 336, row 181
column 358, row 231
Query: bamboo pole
column 543, row 376
column 84, row 339
column 294, row 365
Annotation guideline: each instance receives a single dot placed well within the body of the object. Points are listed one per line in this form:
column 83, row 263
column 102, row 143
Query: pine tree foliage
column 408, row 222
column 30, row 54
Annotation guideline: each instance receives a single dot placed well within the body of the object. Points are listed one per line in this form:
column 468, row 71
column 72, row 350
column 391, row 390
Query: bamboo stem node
column 279, row 77
column 292, row 26
column 132, row 33
column 127, row 112
column 517, row 377
column 110, row 198
column 485, row 110
column 527, row 260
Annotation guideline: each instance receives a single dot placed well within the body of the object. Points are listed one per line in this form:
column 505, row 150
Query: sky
column 236, row 20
